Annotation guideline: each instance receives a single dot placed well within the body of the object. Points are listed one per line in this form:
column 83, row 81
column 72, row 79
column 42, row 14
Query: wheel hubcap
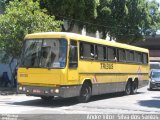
column 85, row 93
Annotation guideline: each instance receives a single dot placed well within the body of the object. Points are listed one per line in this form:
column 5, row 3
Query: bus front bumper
column 62, row 91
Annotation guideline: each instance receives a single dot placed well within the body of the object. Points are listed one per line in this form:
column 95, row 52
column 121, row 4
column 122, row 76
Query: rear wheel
column 128, row 88
column 134, row 87
column 85, row 93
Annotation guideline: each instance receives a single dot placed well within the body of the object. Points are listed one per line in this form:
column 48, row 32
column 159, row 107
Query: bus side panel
column 103, row 79
column 113, row 79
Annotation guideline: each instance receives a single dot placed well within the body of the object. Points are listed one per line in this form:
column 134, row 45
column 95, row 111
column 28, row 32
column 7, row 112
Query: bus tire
column 47, row 98
column 134, row 87
column 128, row 88
column 85, row 93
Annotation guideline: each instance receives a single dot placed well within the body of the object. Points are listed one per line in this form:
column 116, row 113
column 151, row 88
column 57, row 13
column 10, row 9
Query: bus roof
column 79, row 37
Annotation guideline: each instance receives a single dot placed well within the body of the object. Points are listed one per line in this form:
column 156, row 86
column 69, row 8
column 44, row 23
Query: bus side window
column 112, row 54
column 130, row 56
column 127, row 56
column 105, row 53
column 87, row 51
column 100, row 52
column 81, row 49
column 73, row 55
column 136, row 57
column 139, row 57
column 92, row 51
column 145, row 58
column 121, row 55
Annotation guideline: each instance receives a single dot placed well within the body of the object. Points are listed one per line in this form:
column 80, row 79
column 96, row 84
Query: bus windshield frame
column 44, row 53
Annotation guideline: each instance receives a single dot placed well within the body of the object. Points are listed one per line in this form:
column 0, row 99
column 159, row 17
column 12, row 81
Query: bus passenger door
column 73, row 63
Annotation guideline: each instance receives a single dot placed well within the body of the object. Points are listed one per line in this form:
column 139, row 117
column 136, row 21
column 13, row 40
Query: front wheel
column 85, row 93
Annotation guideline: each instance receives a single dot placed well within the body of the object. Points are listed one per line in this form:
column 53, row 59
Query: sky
column 158, row 1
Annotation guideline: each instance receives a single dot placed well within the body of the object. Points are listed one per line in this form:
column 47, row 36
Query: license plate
column 37, row 91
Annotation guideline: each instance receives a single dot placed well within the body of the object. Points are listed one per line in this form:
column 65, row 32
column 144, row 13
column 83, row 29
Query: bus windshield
column 47, row 53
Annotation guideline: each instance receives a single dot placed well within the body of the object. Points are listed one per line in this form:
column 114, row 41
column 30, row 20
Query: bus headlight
column 20, row 88
column 51, row 91
column 56, row 91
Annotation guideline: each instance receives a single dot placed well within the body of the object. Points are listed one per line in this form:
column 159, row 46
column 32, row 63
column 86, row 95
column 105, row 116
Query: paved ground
column 145, row 102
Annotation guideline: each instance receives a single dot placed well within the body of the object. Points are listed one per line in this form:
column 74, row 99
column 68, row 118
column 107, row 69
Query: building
column 153, row 44
column 5, row 67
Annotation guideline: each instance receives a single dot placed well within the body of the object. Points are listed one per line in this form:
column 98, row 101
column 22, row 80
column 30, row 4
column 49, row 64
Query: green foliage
column 128, row 20
column 153, row 18
column 21, row 18
column 74, row 11
column 3, row 3
column 133, row 22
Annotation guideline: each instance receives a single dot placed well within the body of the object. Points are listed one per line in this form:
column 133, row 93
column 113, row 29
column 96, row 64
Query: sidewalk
column 7, row 90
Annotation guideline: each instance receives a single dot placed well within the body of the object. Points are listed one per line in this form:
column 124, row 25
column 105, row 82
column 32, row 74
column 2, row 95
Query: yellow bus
column 59, row 64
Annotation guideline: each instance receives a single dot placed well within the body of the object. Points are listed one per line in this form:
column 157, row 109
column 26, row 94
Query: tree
column 104, row 19
column 19, row 19
column 72, row 11
column 130, row 26
column 127, row 20
column 154, row 18
column 3, row 3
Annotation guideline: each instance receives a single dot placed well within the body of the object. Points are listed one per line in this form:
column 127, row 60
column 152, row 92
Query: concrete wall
column 5, row 68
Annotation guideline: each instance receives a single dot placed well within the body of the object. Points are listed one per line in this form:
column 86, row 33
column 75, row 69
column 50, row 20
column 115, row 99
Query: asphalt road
column 144, row 102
